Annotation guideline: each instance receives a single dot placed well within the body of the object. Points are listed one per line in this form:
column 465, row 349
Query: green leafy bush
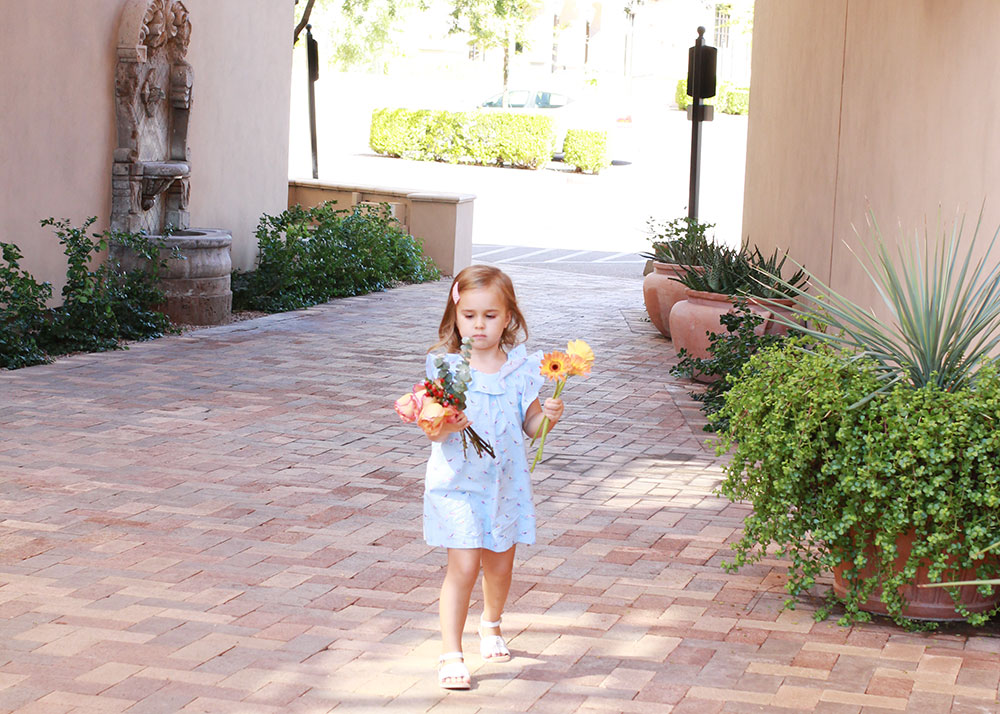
column 728, row 352
column 484, row 138
column 728, row 99
column 737, row 101
column 837, row 472
column 680, row 241
column 682, row 99
column 310, row 255
column 22, row 311
column 101, row 306
column 884, row 432
column 108, row 304
column 586, row 150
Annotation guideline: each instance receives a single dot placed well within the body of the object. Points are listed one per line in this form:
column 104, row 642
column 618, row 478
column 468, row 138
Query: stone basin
column 165, row 169
column 196, row 284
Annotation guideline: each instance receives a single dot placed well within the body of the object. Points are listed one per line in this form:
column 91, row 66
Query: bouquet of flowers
column 576, row 361
column 435, row 401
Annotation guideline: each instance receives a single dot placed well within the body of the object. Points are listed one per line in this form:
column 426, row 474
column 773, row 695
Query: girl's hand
column 451, row 425
column 553, row 409
column 455, row 424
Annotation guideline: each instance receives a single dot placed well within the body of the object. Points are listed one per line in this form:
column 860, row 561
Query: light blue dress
column 473, row 502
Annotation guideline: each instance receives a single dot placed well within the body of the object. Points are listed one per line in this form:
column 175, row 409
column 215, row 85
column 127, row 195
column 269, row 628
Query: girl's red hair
column 481, row 277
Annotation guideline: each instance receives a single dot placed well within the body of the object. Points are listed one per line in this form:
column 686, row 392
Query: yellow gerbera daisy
column 555, row 365
column 581, row 349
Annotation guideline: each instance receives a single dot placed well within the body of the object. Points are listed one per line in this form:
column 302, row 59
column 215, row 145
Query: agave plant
column 944, row 304
column 744, row 272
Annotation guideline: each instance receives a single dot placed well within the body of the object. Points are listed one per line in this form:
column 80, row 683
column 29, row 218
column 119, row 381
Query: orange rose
column 408, row 406
column 432, row 417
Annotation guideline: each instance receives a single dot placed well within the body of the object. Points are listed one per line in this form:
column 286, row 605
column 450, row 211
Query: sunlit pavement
column 230, row 521
column 620, row 264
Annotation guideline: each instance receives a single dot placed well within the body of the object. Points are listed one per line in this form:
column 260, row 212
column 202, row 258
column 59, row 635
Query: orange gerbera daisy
column 578, row 366
column 555, row 365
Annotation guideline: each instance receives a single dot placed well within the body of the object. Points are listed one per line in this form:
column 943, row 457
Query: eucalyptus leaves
column 436, row 401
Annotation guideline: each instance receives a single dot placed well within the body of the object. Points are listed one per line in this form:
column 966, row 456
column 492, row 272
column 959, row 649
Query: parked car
column 560, row 106
column 529, row 99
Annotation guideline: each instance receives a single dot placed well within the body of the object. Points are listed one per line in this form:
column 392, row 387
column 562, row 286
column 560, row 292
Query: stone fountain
column 150, row 177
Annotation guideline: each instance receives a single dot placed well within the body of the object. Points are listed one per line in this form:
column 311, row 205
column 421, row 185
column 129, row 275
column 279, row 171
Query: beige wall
column 57, row 125
column 894, row 103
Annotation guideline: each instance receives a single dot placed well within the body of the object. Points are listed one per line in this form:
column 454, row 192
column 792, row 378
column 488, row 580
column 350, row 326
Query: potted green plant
column 679, row 246
column 868, row 447
column 729, row 275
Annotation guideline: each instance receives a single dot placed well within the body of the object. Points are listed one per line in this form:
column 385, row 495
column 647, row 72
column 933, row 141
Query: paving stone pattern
column 230, row 521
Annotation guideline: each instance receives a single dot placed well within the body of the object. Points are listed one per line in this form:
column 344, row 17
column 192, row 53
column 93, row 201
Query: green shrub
column 108, row 304
column 310, row 255
column 684, row 101
column 484, row 138
column 681, row 241
column 729, row 351
column 101, row 307
column 728, row 99
column 22, row 311
column 737, row 101
column 391, row 131
column 587, row 150
column 525, row 140
column 834, row 484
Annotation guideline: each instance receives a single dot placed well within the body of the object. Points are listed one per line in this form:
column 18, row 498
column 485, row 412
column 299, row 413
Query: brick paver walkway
column 229, row 521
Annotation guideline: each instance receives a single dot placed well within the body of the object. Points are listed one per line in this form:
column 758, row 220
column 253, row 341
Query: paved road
column 627, row 264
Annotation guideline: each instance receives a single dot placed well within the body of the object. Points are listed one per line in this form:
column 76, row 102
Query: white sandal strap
column 486, row 623
column 451, row 655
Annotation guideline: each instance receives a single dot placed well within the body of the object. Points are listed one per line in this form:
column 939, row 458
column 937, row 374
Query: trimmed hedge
column 737, row 101
column 482, row 138
column 728, row 99
column 586, row 150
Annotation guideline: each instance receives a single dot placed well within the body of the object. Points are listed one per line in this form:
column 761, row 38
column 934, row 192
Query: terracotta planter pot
column 660, row 292
column 922, row 603
column 692, row 318
column 768, row 310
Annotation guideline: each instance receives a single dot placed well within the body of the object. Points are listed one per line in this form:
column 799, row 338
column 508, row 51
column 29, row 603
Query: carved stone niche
column 150, row 177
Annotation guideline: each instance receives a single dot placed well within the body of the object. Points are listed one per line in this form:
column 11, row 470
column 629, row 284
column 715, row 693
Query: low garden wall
column 442, row 221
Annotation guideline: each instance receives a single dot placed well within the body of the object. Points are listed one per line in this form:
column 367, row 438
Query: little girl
column 480, row 507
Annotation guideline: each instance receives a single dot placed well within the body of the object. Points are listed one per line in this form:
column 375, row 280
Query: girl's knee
column 463, row 567
column 496, row 568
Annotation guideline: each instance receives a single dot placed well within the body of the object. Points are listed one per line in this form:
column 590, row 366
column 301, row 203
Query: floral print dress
column 473, row 502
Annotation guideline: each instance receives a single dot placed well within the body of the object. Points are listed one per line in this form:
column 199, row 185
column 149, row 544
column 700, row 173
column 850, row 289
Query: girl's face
column 482, row 314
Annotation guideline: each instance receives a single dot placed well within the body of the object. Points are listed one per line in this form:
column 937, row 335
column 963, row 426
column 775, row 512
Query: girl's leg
column 497, row 571
column 463, row 569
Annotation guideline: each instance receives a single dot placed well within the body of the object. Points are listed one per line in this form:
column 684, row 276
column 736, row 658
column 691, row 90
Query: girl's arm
column 553, row 409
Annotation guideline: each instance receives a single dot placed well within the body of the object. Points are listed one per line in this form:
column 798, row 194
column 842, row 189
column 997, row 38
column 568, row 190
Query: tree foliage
column 357, row 32
column 495, row 23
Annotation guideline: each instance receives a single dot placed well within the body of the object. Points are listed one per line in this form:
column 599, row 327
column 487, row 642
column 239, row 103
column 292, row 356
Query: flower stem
column 544, row 428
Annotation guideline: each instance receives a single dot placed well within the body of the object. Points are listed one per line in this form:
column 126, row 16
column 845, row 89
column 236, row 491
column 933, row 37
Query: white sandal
column 453, row 670
column 492, row 647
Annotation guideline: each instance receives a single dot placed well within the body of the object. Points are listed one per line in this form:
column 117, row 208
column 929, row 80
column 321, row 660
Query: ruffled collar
column 493, row 382
column 515, row 358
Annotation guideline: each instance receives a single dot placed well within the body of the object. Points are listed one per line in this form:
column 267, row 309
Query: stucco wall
column 57, row 128
column 891, row 104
